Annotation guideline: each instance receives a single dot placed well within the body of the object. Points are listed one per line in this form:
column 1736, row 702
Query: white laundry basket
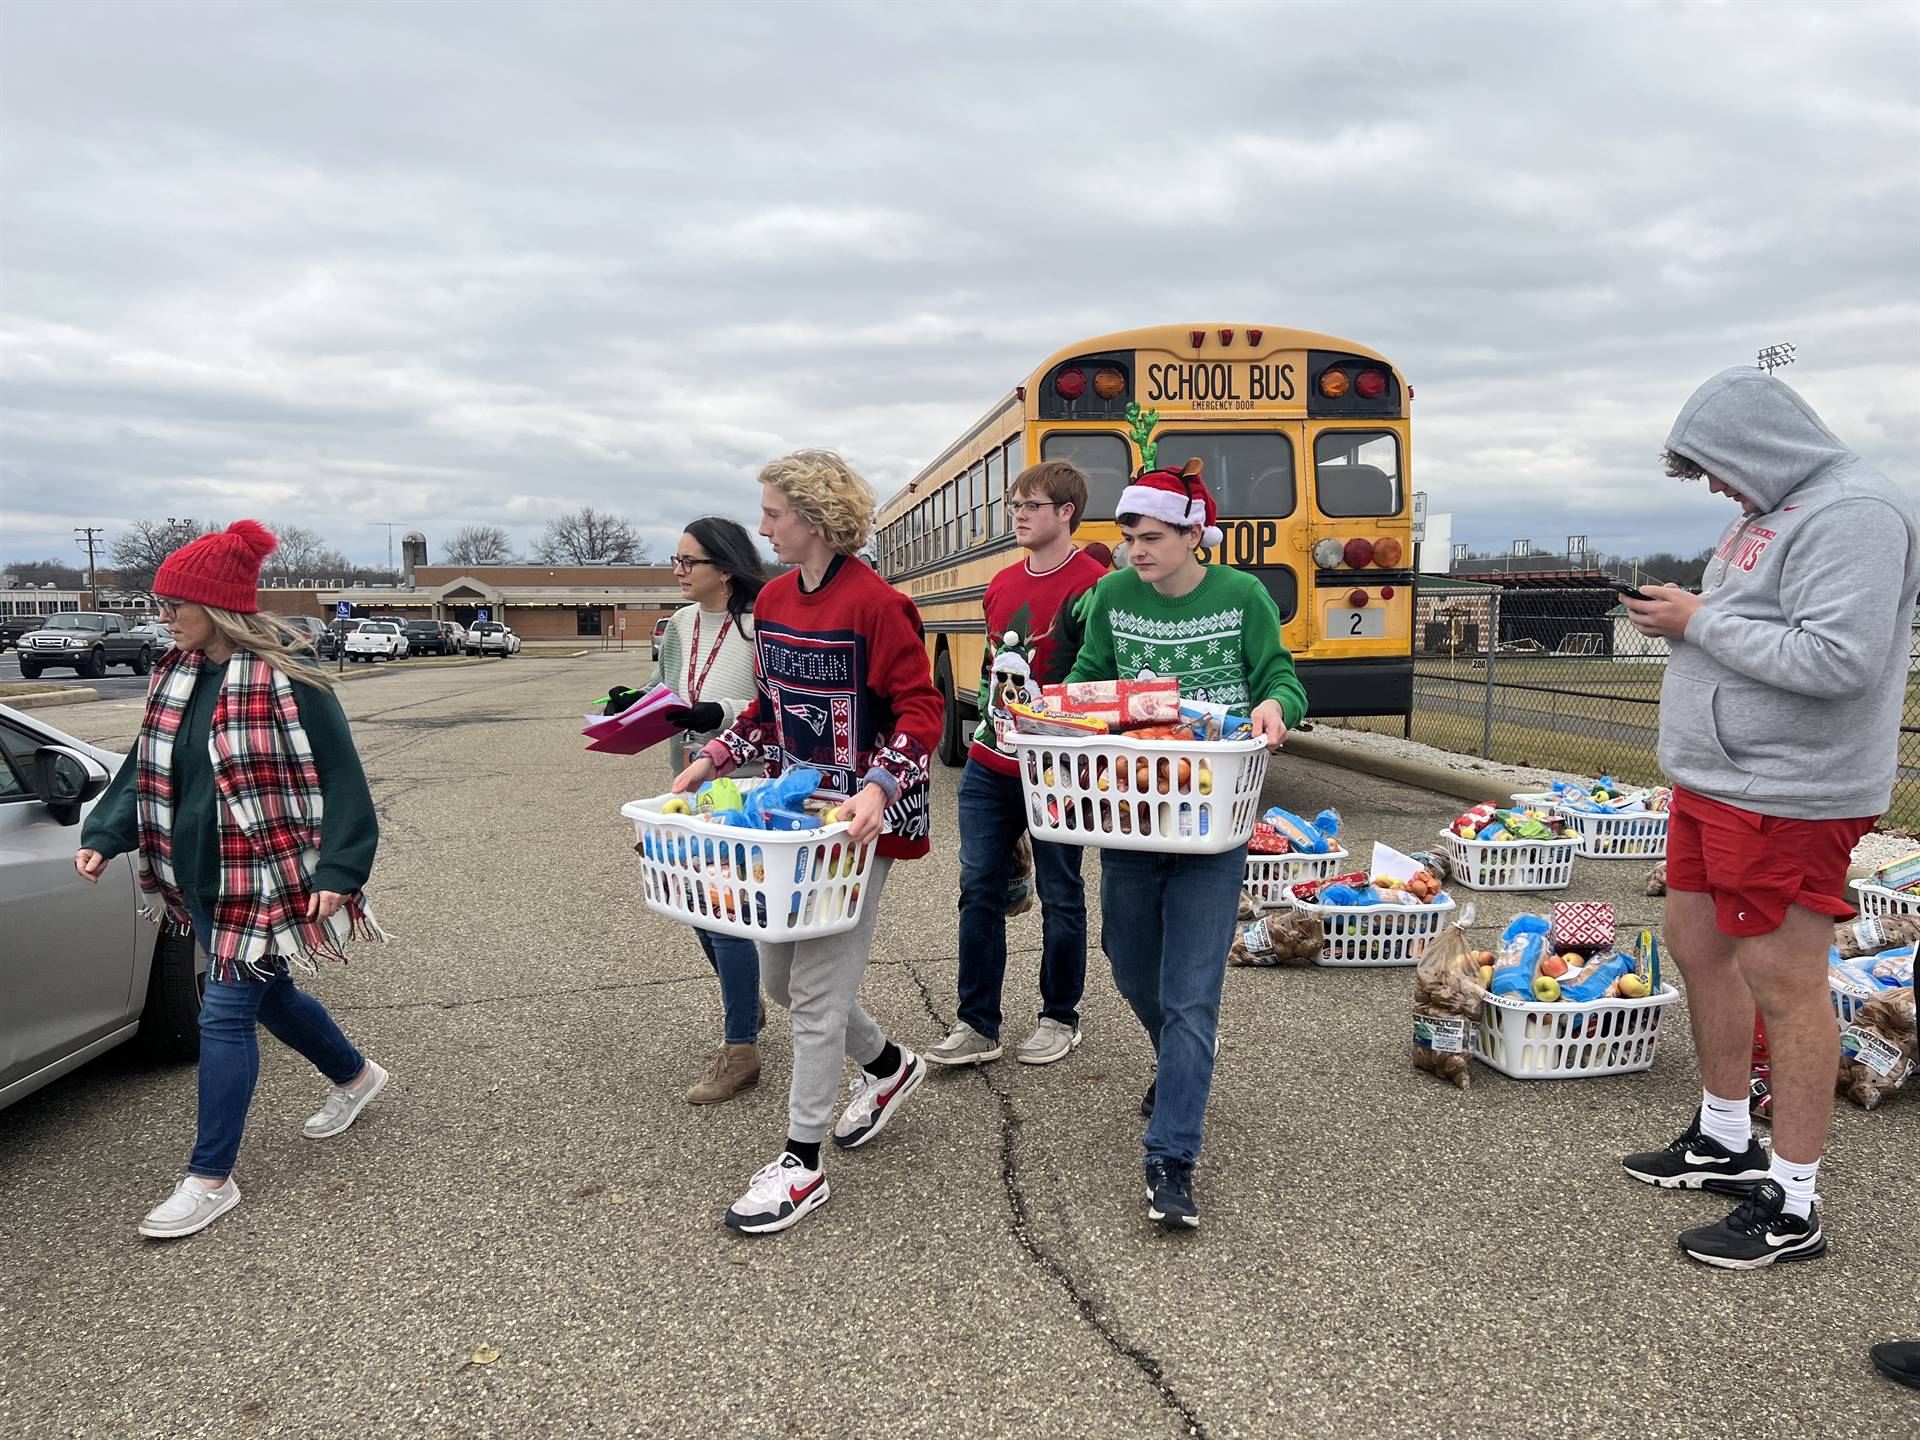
column 1510, row 864
column 757, row 884
column 1568, row 1039
column 1367, row 935
column 1180, row 797
column 1269, row 876
column 1880, row 900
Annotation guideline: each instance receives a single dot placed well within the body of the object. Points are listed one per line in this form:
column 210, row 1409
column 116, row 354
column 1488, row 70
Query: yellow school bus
column 1305, row 444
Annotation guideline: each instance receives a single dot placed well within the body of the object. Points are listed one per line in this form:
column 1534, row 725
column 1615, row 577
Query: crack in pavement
column 1021, row 1226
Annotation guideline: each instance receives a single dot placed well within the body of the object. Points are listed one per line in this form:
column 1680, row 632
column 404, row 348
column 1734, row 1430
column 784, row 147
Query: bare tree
column 137, row 551
column 303, row 555
column 39, row 572
column 479, row 545
column 587, row 535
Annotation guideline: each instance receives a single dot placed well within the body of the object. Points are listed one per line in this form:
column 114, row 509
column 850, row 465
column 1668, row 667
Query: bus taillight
column 1070, row 384
column 1109, row 383
column 1370, row 384
column 1388, row 553
column 1358, row 553
column 1333, row 383
column 1330, row 554
column 1356, row 599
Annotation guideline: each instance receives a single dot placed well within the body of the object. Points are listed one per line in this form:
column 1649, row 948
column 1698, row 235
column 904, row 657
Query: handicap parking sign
column 342, row 609
column 480, row 614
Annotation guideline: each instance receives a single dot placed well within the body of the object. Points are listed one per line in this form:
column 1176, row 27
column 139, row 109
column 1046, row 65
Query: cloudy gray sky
column 337, row 264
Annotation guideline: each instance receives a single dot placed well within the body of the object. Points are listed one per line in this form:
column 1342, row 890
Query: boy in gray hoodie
column 1779, row 728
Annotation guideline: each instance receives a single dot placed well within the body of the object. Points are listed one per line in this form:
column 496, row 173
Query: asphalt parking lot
column 1380, row 1255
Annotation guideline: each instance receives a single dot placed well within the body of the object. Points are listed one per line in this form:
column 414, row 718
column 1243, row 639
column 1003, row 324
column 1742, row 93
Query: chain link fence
column 1559, row 678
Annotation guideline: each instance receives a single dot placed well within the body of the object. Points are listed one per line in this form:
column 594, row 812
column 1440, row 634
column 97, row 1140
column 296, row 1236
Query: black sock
column 807, row 1151
column 885, row 1063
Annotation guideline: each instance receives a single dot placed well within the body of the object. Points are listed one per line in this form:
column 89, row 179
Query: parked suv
column 14, row 626
column 312, row 632
column 437, row 637
column 85, row 643
column 86, row 974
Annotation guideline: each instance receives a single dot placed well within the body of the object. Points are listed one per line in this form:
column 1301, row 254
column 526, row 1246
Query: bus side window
column 1357, row 472
column 977, row 482
column 1104, row 460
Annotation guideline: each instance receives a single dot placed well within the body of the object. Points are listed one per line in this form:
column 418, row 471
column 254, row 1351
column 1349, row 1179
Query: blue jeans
column 993, row 817
column 230, row 1051
column 737, row 964
column 1166, row 924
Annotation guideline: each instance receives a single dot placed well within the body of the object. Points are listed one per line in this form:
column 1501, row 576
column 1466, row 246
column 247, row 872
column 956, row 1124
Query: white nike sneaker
column 344, row 1104
column 874, row 1101
column 190, row 1209
column 780, row 1195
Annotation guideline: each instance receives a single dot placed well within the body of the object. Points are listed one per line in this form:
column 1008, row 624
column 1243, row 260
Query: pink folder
column 639, row 727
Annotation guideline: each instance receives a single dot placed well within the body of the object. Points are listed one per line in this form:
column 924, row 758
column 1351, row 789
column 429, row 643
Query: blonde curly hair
column 827, row 494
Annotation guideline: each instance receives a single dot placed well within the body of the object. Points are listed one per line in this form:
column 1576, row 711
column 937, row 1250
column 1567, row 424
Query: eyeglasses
column 169, row 608
column 685, row 563
column 1032, row 507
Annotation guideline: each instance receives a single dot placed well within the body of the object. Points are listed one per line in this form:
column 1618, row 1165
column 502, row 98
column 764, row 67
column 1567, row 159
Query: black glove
column 700, row 718
column 619, row 698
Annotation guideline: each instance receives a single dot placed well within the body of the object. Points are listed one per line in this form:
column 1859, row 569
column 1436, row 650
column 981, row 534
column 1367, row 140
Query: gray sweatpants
column 818, row 983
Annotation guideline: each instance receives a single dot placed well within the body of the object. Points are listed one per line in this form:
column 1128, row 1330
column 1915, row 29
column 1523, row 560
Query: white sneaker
column 191, row 1208
column 1053, row 1040
column 344, row 1104
column 874, row 1101
column 779, row 1195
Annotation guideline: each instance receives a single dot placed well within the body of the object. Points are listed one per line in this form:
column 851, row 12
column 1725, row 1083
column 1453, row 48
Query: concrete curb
column 339, row 673
column 48, row 699
column 1495, row 785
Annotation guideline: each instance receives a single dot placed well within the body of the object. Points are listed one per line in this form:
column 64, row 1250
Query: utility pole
column 88, row 540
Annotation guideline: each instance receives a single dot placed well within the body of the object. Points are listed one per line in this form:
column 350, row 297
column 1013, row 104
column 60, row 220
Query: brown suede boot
column 733, row 1068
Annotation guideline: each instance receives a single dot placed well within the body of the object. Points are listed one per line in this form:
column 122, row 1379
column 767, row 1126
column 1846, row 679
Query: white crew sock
column 1798, row 1181
column 1728, row 1122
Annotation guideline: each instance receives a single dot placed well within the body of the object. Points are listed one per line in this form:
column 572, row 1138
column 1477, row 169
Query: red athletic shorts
column 1757, row 866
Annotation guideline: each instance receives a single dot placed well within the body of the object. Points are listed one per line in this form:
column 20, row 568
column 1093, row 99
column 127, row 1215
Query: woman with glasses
column 706, row 656
column 248, row 811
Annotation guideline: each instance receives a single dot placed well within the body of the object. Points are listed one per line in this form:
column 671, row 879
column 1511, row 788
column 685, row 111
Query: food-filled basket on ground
column 1634, row 835
column 1510, row 864
column 1270, row 876
column 757, row 884
column 1178, row 797
column 1881, row 900
column 1569, row 1040
column 1849, row 995
column 1368, row 935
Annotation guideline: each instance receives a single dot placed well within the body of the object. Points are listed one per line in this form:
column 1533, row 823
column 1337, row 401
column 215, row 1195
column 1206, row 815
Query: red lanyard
column 694, row 687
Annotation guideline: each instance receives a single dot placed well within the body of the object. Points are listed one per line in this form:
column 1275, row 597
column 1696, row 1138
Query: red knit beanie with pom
column 220, row 570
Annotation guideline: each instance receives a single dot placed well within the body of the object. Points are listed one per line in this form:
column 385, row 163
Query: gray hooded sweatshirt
column 1785, row 695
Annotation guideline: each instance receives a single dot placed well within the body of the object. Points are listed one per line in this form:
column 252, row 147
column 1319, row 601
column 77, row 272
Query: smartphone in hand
column 1627, row 590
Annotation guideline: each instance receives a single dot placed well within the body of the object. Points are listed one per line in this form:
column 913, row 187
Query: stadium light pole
column 1774, row 357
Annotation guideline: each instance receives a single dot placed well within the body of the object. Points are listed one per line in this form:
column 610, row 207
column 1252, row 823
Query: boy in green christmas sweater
column 1167, row 920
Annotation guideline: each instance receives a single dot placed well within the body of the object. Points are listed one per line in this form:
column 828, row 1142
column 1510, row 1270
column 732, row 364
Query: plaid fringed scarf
column 269, row 819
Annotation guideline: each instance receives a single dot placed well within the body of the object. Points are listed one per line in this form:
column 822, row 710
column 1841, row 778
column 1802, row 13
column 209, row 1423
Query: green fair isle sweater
column 1221, row 640
column 349, row 833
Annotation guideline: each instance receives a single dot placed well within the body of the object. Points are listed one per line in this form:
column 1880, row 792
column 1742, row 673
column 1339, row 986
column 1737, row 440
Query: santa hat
column 1178, row 497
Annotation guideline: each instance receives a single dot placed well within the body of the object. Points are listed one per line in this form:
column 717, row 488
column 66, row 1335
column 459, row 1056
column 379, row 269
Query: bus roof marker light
column 1388, row 552
column 1329, row 554
column 1070, row 384
column 1226, row 337
column 1333, row 383
column 1109, row 383
column 1370, row 384
column 1358, row 553
column 1253, row 336
column 1199, row 338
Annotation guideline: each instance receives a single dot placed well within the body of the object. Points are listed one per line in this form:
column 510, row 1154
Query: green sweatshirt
column 1221, row 640
column 349, row 832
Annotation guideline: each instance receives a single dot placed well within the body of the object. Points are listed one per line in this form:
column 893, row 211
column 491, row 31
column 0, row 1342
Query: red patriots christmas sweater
column 843, row 687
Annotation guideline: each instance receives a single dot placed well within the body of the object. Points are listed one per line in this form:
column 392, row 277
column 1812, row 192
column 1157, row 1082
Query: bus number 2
column 1353, row 627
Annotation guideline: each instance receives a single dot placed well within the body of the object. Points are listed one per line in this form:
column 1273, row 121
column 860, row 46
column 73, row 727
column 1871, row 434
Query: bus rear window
column 1105, row 461
column 1357, row 472
column 1247, row 472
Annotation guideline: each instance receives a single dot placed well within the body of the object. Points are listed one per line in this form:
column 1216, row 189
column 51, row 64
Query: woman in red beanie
column 249, row 815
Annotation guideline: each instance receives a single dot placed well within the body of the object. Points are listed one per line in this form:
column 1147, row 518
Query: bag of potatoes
column 1447, row 996
column 1279, row 937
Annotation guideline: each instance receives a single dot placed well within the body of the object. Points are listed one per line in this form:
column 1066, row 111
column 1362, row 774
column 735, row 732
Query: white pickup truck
column 377, row 640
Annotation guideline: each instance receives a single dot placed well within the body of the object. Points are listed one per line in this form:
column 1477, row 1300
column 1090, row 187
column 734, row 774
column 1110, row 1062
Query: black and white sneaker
column 1694, row 1162
column 781, row 1194
column 1170, row 1194
column 875, row 1099
column 1758, row 1233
